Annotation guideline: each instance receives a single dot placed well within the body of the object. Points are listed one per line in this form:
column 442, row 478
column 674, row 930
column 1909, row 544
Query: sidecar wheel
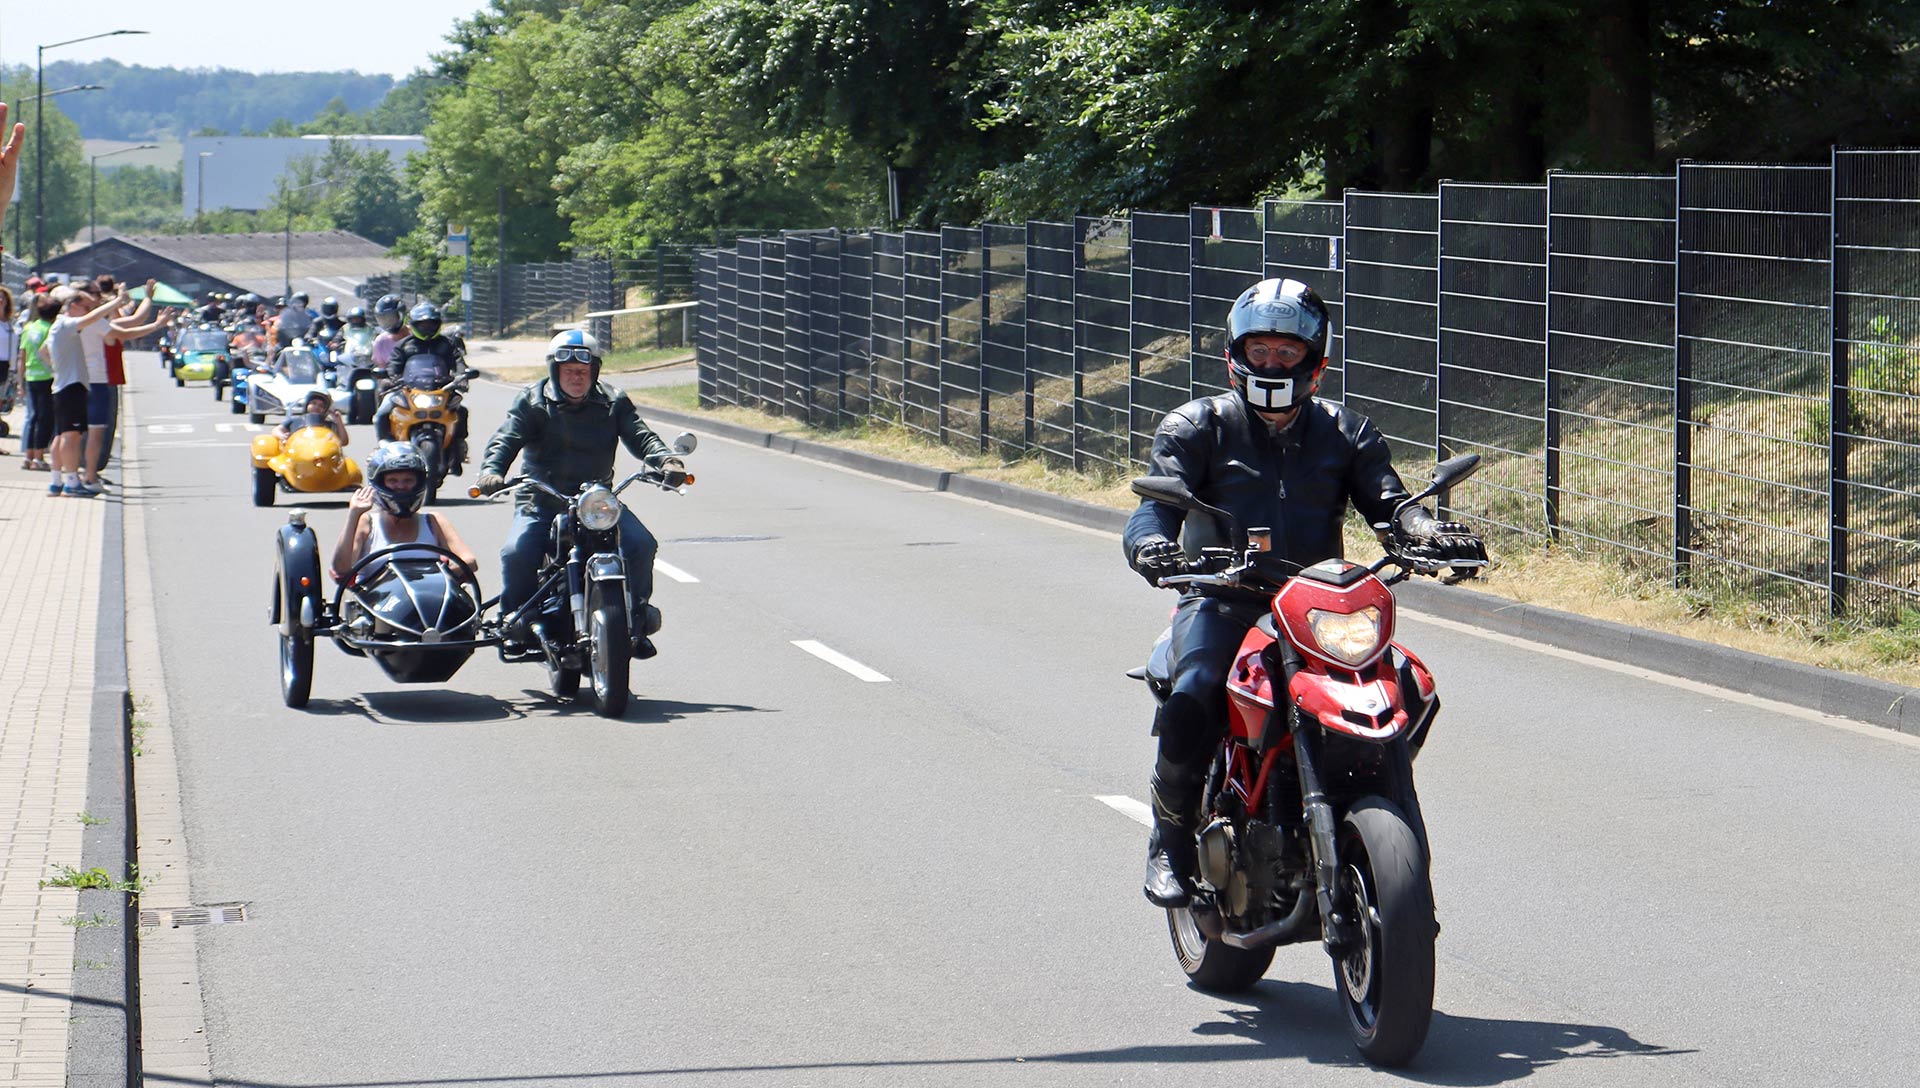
column 296, row 642
column 1386, row 981
column 1214, row 966
column 611, row 649
column 256, row 418
column 265, row 483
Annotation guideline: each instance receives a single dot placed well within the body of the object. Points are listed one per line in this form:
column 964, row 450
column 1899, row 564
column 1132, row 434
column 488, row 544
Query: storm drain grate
column 213, row 914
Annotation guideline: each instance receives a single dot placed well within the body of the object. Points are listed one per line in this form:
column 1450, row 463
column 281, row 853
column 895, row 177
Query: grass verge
column 1529, row 572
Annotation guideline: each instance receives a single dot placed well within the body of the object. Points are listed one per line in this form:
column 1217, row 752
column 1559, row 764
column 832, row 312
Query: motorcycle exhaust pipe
column 1283, row 931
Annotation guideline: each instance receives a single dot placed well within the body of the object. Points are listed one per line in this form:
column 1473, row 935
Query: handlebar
column 1241, row 572
column 645, row 475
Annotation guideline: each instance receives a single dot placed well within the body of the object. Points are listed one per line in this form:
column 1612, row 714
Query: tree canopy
column 613, row 123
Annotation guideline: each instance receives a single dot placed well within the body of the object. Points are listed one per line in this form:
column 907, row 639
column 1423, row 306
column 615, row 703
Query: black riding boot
column 1171, row 852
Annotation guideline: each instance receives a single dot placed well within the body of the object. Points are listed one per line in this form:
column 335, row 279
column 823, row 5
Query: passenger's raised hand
column 361, row 502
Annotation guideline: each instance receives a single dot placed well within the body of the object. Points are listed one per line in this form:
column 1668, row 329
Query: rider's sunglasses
column 572, row 355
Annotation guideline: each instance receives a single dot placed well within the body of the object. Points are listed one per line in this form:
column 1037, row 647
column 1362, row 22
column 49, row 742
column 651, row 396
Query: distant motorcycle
column 426, row 413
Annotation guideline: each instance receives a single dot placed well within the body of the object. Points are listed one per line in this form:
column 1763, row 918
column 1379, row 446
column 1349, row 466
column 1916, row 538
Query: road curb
column 103, row 1043
column 1875, row 702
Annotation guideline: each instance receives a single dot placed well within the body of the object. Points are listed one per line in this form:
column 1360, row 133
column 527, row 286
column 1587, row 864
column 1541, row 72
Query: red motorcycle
column 1310, row 824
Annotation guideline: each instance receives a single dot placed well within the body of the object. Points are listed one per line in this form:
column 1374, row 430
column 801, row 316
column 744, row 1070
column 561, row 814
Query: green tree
column 65, row 174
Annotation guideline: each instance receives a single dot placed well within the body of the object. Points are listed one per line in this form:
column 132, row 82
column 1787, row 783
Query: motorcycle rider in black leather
column 1274, row 457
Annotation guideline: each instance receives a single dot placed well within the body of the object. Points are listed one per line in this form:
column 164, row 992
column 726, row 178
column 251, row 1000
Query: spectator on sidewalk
column 38, row 374
column 72, row 395
column 9, row 359
column 121, row 328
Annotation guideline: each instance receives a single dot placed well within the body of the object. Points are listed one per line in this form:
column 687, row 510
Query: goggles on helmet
column 573, row 355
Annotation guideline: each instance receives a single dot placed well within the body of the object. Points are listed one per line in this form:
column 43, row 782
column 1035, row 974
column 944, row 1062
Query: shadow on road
column 1278, row 1020
column 641, row 710
column 441, row 707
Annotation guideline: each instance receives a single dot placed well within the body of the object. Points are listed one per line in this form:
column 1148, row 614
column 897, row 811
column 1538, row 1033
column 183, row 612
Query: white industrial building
column 243, row 172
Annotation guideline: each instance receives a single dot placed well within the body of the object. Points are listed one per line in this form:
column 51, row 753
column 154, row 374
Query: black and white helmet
column 397, row 457
column 388, row 313
column 1286, row 308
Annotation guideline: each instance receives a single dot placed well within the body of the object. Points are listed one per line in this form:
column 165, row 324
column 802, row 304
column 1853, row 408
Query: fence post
column 1550, row 390
column 986, row 313
column 659, row 292
column 1839, row 409
column 1682, row 394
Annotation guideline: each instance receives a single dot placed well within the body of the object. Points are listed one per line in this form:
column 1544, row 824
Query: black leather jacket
column 1297, row 483
column 565, row 444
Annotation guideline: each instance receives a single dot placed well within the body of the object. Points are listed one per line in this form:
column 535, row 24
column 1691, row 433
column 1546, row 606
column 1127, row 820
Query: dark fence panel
column 726, row 326
column 1162, row 324
column 1610, row 278
column 889, row 327
column 773, row 325
column 796, row 396
column 856, row 328
column 826, row 394
column 752, row 323
column 1303, row 239
column 1102, row 344
column 1754, row 380
column 1229, row 256
column 1874, row 410
column 1050, row 339
column 1003, row 340
column 706, row 355
column 963, row 407
column 921, row 409
column 1493, row 347
column 1393, row 318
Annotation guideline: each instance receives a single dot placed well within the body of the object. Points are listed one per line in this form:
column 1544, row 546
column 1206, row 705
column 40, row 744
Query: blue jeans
column 526, row 546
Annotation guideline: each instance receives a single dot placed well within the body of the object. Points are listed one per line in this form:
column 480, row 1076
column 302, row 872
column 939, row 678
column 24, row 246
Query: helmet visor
column 426, row 328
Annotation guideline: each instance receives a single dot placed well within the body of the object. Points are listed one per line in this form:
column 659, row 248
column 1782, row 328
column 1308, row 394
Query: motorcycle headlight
column 1351, row 637
column 599, row 510
column 428, row 400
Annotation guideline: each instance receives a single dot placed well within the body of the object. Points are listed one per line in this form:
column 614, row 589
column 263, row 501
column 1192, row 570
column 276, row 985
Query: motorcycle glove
column 490, row 482
column 1157, row 558
column 674, row 472
column 1445, row 541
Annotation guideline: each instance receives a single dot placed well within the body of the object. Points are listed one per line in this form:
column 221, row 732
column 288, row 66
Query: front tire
column 610, row 648
column 429, row 450
column 265, row 483
column 1385, row 982
column 256, row 418
column 360, row 408
column 236, row 406
column 1214, row 966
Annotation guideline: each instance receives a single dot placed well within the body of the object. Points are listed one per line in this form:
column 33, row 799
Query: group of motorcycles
column 238, row 354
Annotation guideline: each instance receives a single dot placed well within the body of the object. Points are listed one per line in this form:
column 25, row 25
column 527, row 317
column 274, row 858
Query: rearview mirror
column 1165, row 489
column 1455, row 469
column 685, row 442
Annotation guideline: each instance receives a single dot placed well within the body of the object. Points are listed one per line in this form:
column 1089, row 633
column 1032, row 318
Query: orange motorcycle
column 423, row 410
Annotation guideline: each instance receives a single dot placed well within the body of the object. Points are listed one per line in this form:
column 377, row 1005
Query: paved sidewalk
column 47, row 630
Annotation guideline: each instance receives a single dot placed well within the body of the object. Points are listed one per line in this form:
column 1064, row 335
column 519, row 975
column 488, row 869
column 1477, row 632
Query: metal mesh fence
column 1752, row 380
column 1162, row 326
column 1491, row 394
column 1874, row 409
column 1102, row 344
column 1711, row 376
column 1610, row 364
column 1004, row 377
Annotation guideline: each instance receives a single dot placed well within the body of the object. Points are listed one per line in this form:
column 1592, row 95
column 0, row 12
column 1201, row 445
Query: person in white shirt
column 66, row 344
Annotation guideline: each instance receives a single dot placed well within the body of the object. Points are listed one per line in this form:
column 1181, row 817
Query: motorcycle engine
column 1217, row 868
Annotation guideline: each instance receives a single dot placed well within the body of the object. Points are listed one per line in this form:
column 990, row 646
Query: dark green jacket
column 563, row 445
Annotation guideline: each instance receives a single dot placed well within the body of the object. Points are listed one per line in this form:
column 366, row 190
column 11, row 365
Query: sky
column 371, row 36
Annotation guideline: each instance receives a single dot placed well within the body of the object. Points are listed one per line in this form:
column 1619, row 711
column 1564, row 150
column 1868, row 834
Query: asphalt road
column 773, row 872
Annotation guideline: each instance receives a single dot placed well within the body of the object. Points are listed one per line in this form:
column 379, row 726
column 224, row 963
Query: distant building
column 322, row 263
column 241, row 171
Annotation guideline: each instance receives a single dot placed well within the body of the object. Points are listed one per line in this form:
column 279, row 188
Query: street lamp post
column 39, row 137
column 288, row 269
column 93, row 177
column 500, row 217
column 38, row 100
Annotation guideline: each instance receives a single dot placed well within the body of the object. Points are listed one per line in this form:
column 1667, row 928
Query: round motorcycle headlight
column 1351, row 637
column 427, row 400
column 599, row 510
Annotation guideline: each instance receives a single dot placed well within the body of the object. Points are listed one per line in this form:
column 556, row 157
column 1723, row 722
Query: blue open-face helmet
column 572, row 346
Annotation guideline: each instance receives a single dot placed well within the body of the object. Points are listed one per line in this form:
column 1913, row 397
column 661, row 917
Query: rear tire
column 1386, row 983
column 236, row 406
column 610, row 648
column 1214, row 966
column 256, row 418
column 265, row 483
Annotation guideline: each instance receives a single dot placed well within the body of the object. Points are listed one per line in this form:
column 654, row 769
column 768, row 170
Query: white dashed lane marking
column 673, row 572
column 841, row 661
column 1137, row 811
